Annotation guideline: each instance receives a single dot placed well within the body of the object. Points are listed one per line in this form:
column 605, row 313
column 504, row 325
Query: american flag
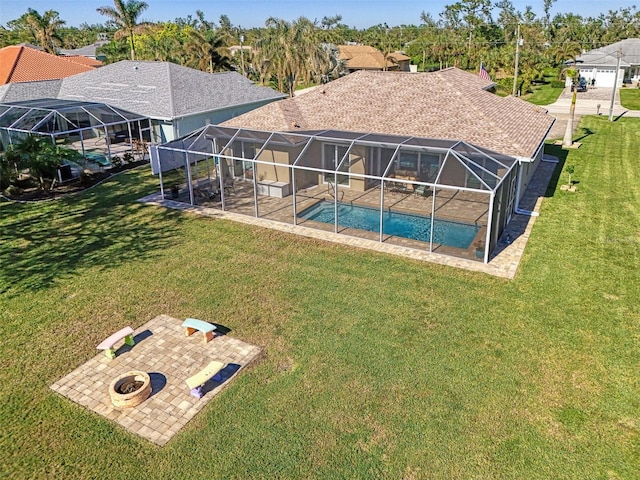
column 483, row 73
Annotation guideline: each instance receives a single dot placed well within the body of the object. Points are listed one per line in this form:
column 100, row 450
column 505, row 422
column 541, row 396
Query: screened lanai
column 443, row 196
column 97, row 130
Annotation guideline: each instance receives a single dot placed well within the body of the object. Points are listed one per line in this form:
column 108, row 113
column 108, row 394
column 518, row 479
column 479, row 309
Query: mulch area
column 76, row 185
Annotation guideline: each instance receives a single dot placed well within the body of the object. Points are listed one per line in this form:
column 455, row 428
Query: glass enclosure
column 443, row 196
column 98, row 131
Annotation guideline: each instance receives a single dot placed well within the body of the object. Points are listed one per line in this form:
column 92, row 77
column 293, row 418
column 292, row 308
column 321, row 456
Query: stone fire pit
column 130, row 389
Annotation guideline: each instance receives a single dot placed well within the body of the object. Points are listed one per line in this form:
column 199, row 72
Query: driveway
column 592, row 102
column 595, row 101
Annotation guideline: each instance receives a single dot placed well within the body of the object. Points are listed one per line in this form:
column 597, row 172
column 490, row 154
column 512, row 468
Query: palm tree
column 565, row 52
column 44, row 28
column 207, row 52
column 125, row 16
column 287, row 51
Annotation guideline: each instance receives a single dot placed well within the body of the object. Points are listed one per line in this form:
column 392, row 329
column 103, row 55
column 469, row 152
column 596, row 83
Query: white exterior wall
column 605, row 76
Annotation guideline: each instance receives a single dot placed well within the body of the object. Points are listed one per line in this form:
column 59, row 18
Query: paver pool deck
column 503, row 262
column 169, row 357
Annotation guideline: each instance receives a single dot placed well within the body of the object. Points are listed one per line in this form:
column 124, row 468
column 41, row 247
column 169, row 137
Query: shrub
column 13, row 191
column 557, row 84
column 116, row 161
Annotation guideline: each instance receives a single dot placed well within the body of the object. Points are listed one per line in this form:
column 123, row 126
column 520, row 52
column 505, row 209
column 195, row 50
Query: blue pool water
column 416, row 227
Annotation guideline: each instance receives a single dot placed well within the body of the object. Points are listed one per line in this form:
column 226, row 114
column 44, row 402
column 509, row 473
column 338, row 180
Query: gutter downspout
column 517, row 208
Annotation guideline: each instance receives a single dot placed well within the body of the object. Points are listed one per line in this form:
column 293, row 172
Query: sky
column 253, row 13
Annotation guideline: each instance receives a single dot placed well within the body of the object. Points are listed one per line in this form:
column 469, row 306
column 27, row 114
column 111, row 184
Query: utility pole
column 515, row 75
column 615, row 85
column 242, row 53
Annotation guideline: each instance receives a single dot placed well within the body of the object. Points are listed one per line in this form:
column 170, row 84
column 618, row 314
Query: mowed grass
column 630, row 98
column 374, row 366
column 543, row 94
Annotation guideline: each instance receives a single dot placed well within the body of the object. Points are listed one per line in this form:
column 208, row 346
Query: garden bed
column 79, row 184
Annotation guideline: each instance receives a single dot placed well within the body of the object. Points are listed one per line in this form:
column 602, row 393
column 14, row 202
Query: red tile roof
column 448, row 104
column 23, row 64
column 92, row 62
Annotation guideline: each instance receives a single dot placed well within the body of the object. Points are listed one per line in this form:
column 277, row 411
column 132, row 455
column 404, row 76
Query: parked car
column 580, row 86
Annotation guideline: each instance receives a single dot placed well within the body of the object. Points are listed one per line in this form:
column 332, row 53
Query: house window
column 331, row 157
column 241, row 168
column 429, row 167
column 423, row 166
column 408, row 161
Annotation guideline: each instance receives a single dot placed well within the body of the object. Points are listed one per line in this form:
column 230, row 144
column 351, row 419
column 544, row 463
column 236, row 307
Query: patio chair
column 401, row 187
column 422, row 191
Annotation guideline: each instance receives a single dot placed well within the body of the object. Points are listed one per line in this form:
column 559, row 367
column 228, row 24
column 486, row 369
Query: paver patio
column 169, row 358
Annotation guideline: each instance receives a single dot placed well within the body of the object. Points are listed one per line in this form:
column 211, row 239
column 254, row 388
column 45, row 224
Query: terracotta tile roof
column 448, row 104
column 365, row 57
column 23, row 64
column 91, row 62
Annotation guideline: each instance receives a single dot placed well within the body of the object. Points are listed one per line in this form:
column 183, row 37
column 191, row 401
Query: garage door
column 606, row 77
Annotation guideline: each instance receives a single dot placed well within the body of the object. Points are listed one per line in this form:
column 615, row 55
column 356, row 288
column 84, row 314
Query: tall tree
column 288, row 51
column 206, row 51
column 226, row 31
column 44, row 28
column 330, row 22
column 125, row 16
column 547, row 13
column 470, row 14
column 163, row 42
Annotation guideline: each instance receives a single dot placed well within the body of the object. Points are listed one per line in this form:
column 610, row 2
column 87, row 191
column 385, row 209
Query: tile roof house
column 92, row 62
column 447, row 104
column 177, row 99
column 21, row 63
column 437, row 145
column 365, row 57
column 599, row 65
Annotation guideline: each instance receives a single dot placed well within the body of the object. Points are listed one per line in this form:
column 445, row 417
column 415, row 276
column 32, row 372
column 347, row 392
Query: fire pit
column 130, row 389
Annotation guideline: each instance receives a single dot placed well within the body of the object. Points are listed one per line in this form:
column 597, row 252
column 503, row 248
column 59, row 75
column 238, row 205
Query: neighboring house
column 364, row 57
column 21, row 63
column 88, row 51
column 437, row 145
column 235, row 49
column 599, row 66
column 177, row 99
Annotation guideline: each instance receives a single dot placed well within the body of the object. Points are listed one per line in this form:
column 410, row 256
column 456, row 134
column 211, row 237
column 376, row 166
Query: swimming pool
column 405, row 225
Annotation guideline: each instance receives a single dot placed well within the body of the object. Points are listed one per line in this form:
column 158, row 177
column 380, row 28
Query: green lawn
column 630, row 98
column 375, row 366
column 543, row 94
